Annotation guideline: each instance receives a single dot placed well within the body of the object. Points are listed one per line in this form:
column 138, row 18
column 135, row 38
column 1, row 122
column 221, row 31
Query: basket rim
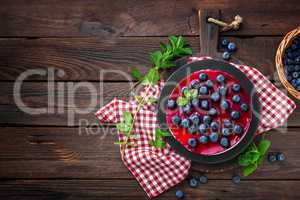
column 286, row 41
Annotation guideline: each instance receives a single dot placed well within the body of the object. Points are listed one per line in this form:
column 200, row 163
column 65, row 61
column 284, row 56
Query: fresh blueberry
column 202, row 77
column 225, row 42
column 195, row 118
column 209, row 83
column 244, row 107
column 195, row 84
column 297, row 60
column 294, row 46
column 203, row 139
column 294, row 82
column 214, row 137
column 176, row 120
column 298, row 88
column 236, row 179
column 231, row 46
column 271, row 158
column 192, row 142
column 214, row 126
column 236, row 87
column 185, row 123
column 184, row 90
column 205, row 104
column 225, row 105
column 297, row 67
column 220, row 78
column 212, row 112
column 195, row 102
column 202, row 128
column 295, row 75
column 192, row 129
column 203, row 179
column 215, row 97
column 280, row 157
column 186, row 108
column 206, row 119
column 171, row 104
column 226, row 132
column 290, row 68
column 226, row 55
column 179, row 194
column 236, row 98
column 235, row 114
column 224, row 142
column 222, row 90
column 193, row 182
column 227, row 123
column 203, row 90
column 238, row 129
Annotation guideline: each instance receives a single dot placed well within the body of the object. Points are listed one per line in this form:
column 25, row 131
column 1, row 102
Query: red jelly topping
column 182, row 135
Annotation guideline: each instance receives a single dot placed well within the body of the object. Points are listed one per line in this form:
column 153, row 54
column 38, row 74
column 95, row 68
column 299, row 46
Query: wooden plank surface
column 85, row 58
column 87, row 153
column 81, row 103
column 74, row 18
column 115, row 190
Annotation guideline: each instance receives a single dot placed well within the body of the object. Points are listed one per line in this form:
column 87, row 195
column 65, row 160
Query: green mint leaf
column 156, row 58
column 181, row 101
column 243, row 161
column 179, row 43
column 152, row 100
column 163, row 46
column 193, row 93
column 159, row 143
column 152, row 77
column 249, row 169
column 161, row 133
column 186, row 51
column 124, row 128
column 167, row 64
column 135, row 73
column 173, row 41
column 127, row 117
column 264, row 146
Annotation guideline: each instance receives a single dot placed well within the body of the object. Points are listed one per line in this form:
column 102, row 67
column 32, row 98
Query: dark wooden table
column 49, row 155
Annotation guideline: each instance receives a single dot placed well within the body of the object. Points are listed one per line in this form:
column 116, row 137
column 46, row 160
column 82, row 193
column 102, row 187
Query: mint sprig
column 163, row 59
column 187, row 96
column 252, row 158
column 159, row 135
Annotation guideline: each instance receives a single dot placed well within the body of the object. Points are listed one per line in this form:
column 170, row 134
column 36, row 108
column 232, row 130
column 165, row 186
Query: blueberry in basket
column 215, row 118
column 291, row 61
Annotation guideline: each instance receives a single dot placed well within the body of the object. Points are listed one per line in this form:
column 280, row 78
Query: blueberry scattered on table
column 176, row 120
column 225, row 42
column 226, row 55
column 271, row 157
column 224, row 142
column 280, row 157
column 214, row 137
column 185, row 123
column 203, row 139
column 179, row 194
column 171, row 104
column 192, row 142
column 203, row 179
column 203, row 77
column 193, row 182
column 236, row 179
column 231, row 46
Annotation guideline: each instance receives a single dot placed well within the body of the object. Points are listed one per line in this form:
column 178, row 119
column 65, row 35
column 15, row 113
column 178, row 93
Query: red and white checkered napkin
column 157, row 170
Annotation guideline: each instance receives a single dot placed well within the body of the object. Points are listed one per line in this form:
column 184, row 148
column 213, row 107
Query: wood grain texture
column 73, row 103
column 89, row 153
column 115, row 190
column 85, row 58
column 139, row 18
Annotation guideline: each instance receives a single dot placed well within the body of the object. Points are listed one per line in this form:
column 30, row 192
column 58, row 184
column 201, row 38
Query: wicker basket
column 287, row 40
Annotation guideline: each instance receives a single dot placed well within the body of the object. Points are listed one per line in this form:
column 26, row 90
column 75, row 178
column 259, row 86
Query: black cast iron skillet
column 186, row 70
